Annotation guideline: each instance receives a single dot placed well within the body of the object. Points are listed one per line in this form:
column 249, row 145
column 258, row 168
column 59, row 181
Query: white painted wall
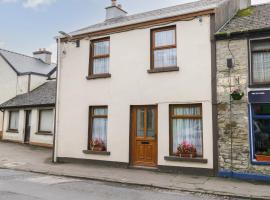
column 130, row 84
column 37, row 81
column 19, row 137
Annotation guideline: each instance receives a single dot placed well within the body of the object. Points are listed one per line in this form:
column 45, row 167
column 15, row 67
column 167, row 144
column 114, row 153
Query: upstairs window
column 260, row 62
column 99, row 56
column 163, row 48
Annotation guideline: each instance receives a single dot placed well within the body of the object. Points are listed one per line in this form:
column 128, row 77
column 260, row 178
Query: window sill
column 12, row 131
column 179, row 159
column 97, row 76
column 163, row 69
column 259, row 85
column 103, row 153
column 44, row 133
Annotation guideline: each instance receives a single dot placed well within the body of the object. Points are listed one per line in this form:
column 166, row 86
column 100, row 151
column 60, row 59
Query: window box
column 104, row 153
column 263, row 158
column 97, row 76
column 12, row 131
column 179, row 159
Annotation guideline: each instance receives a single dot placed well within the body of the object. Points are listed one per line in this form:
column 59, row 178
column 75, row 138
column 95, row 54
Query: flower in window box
column 186, row 150
column 263, row 156
column 97, row 145
column 237, row 94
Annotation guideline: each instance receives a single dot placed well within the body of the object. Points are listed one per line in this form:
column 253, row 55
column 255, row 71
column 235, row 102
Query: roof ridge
column 18, row 53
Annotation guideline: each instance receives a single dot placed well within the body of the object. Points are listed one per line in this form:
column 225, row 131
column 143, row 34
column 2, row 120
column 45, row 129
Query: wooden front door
column 27, row 128
column 144, row 136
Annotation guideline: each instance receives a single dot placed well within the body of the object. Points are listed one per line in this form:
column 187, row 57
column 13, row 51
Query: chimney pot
column 115, row 11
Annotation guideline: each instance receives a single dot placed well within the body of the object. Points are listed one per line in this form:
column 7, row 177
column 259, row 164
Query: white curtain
column 101, row 66
column 165, row 58
column 46, row 120
column 261, row 67
column 101, row 48
column 164, row 38
column 99, row 130
column 187, row 129
column 14, row 120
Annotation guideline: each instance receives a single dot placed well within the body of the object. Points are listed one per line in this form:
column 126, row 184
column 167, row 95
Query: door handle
column 145, row 142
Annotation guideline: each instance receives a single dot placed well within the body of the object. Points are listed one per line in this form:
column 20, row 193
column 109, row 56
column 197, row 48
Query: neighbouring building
column 140, row 90
column 243, row 65
column 20, row 74
column 29, row 117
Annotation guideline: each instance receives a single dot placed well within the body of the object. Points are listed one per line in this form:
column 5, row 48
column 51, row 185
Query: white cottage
column 20, row 74
column 139, row 90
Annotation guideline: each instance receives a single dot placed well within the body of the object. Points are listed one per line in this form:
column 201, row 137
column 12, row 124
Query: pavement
column 16, row 185
column 34, row 159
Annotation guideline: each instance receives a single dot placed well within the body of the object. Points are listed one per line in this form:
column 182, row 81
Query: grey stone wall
column 233, row 125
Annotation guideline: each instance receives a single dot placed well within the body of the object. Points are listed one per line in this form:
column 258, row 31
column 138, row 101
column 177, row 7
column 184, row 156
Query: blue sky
column 27, row 25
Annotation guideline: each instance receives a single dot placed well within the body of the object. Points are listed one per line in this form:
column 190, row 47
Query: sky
column 27, row 25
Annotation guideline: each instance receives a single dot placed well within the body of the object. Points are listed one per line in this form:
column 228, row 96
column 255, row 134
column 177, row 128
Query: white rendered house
column 134, row 89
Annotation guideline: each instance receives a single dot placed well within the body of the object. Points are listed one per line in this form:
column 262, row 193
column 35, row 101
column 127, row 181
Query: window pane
column 101, row 66
column 150, row 123
column 262, row 109
column 187, row 111
column 165, row 58
column 46, row 120
column 262, row 136
column 140, row 122
column 188, row 130
column 100, row 111
column 99, row 129
column 261, row 67
column 101, row 48
column 164, row 38
column 14, row 120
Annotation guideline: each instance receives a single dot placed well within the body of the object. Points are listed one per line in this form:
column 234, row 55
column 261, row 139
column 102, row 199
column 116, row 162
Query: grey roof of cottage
column 152, row 15
column 258, row 19
column 23, row 64
column 44, row 95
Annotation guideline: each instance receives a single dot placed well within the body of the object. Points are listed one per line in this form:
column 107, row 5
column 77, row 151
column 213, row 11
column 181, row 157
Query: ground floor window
column 13, row 120
column 98, row 120
column 45, row 121
column 186, row 130
column 261, row 132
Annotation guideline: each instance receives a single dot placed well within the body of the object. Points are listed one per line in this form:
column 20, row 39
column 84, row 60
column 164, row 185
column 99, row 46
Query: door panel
column 144, row 135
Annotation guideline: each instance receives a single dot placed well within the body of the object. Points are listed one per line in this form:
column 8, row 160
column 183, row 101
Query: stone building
column 243, row 65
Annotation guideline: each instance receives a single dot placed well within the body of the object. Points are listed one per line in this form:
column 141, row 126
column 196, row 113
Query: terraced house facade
column 243, row 68
column 140, row 90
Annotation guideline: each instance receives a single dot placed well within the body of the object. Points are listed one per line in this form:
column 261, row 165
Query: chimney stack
column 243, row 4
column 43, row 55
column 115, row 11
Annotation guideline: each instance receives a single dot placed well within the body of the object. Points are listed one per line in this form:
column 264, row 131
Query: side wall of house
column 35, row 137
column 8, row 84
column 130, row 84
column 233, row 121
column 36, row 81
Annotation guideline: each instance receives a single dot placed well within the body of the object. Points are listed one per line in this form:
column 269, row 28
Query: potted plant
column 237, row 94
column 263, row 156
column 97, row 145
column 186, row 150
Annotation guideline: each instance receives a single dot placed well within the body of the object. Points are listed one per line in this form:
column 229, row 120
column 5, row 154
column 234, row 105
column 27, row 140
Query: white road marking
column 50, row 180
column 13, row 164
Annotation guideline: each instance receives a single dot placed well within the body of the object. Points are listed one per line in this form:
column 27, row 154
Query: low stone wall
column 233, row 122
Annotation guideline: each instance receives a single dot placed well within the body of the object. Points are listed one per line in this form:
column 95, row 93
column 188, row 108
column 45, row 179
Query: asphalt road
column 16, row 185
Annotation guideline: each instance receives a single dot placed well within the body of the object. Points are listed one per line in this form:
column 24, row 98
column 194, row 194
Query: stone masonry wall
column 233, row 124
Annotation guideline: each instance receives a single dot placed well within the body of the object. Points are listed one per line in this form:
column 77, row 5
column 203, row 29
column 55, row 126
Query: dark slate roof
column 23, row 64
column 254, row 18
column 41, row 96
column 152, row 15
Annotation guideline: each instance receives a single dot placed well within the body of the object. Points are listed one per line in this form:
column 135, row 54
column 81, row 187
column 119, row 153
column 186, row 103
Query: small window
column 98, row 120
column 186, row 130
column 99, row 56
column 164, row 48
column 13, row 120
column 261, row 132
column 46, row 121
column 260, row 62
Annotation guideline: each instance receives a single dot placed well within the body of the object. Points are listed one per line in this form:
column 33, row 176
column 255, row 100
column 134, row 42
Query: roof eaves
column 27, row 106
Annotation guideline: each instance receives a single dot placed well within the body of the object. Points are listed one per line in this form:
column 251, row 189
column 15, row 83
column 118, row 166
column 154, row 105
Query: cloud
column 7, row 1
column 36, row 3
